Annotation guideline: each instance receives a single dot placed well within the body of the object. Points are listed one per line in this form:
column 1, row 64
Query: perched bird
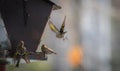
column 59, row 33
column 21, row 52
column 47, row 50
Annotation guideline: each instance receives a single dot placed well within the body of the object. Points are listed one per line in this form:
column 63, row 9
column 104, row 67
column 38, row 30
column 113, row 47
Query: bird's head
column 44, row 45
column 21, row 43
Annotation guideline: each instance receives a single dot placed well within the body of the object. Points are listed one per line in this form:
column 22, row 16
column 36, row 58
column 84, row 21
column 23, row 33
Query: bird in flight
column 59, row 32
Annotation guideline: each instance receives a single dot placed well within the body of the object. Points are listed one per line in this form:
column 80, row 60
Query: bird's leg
column 26, row 60
column 18, row 62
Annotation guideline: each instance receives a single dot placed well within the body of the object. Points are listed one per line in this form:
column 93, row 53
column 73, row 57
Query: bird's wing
column 53, row 27
column 63, row 25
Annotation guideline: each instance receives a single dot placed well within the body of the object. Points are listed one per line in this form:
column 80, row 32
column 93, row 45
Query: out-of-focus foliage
column 34, row 66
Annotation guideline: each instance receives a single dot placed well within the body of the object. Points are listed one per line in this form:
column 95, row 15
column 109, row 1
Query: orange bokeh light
column 75, row 56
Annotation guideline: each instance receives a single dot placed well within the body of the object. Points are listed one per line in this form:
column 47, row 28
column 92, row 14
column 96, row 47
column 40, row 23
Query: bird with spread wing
column 59, row 32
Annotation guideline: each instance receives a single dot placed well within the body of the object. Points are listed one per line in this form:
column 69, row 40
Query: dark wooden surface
column 13, row 16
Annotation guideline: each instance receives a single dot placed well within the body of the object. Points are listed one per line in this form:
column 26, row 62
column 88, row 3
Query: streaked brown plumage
column 47, row 50
column 21, row 52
